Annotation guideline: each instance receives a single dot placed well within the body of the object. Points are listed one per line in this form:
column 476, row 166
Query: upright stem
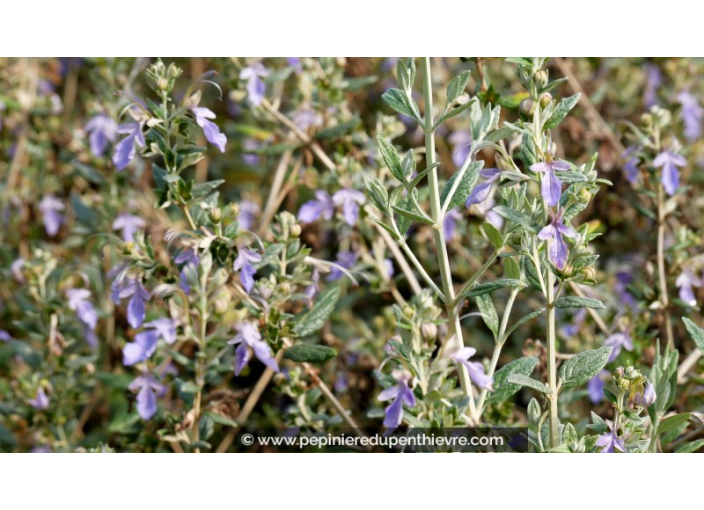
column 664, row 298
column 437, row 216
column 552, row 361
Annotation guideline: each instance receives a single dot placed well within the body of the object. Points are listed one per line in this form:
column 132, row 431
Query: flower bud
column 589, row 274
column 534, row 412
column 233, row 210
column 215, row 215
column 162, row 84
column 646, row 120
column 429, row 330
column 624, row 384
column 545, row 99
column 648, row 397
column 527, row 107
column 295, row 230
column 541, row 78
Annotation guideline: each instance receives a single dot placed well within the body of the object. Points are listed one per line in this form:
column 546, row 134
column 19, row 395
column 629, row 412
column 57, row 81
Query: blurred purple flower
column 623, row 278
column 350, row 200
column 139, row 295
column 685, row 282
column 125, row 150
column 248, row 337
column 50, row 207
column 16, row 270
column 248, row 145
column 595, row 387
column 148, row 387
column 692, row 115
column 314, row 209
column 481, row 191
column 631, row 166
column 449, row 223
column 41, row 401
column 129, row 224
column 571, row 330
column 670, row 175
column 210, row 129
column 248, row 214
column 618, row 341
column 142, row 348
column 306, row 117
column 557, row 247
column 4, row 336
column 256, row 88
column 164, row 327
column 653, row 80
column 78, row 302
column 312, row 289
column 345, row 259
column 294, row 62
column 401, row 394
column 243, row 264
column 461, row 141
column 550, row 184
column 187, row 257
column 610, row 441
column 389, row 266
column 102, row 129
column 475, row 369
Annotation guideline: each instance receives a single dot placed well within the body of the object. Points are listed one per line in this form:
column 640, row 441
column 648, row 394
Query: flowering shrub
column 193, row 249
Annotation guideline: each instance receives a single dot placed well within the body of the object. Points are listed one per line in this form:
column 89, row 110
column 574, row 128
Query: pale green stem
column 500, row 341
column 552, row 361
column 437, row 216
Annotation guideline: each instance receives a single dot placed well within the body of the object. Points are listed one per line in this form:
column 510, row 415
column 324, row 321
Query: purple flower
column 135, row 308
column 550, row 185
column 210, row 129
column 188, row 258
column 256, row 88
column 401, row 394
column 571, row 330
column 461, row 141
column 250, row 144
column 618, row 341
column 248, row 214
column 692, row 114
column 248, row 337
column 4, row 336
column 143, row 347
column 647, row 397
column 306, row 118
column 16, row 270
column 41, row 401
column 475, row 369
column 653, row 80
column 345, row 259
column 350, row 200
column 449, row 223
column 50, row 207
column 102, row 129
column 314, row 209
column 129, row 224
column 165, row 328
column 623, row 278
column 294, row 62
column 243, row 264
column 670, row 175
column 312, row 289
column 685, row 282
column 481, row 191
column 557, row 247
column 125, row 149
column 595, row 387
column 486, row 209
column 611, row 441
column 631, row 166
column 78, row 302
column 148, row 387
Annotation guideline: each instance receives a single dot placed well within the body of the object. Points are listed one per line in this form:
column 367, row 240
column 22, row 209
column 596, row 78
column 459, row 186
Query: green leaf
column 513, row 215
column 7, row 438
column 494, row 235
column 469, row 179
column 84, row 214
column 377, row 194
column 398, row 101
column 311, row 321
column 305, row 353
column 504, row 389
column 338, row 130
column 456, row 86
column 486, row 288
column 673, row 422
column 579, row 302
column 690, row 447
column 523, row 320
column 524, row 380
column 695, row 332
column 205, row 188
column 413, row 216
column 561, row 111
column 580, row 368
column 511, row 268
column 488, row 311
column 391, row 157
column 499, row 134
